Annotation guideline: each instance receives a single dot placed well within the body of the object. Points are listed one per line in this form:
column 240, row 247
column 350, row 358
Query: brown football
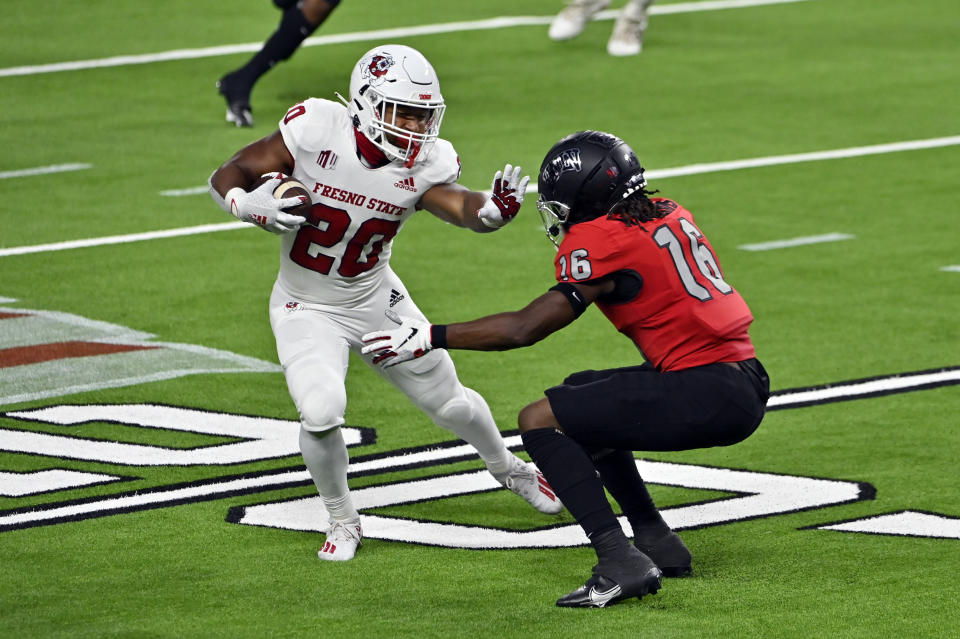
column 289, row 187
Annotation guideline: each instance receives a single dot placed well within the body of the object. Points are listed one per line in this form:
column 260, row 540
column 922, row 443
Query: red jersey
column 680, row 312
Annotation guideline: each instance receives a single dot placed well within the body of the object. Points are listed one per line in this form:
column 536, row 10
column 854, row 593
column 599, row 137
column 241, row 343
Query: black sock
column 572, row 476
column 618, row 471
column 293, row 30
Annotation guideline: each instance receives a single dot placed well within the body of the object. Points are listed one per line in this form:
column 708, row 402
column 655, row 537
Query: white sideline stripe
column 362, row 36
column 121, row 239
column 797, row 241
column 955, row 268
column 44, row 170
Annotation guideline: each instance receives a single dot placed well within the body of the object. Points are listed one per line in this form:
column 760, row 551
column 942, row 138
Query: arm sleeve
column 217, row 197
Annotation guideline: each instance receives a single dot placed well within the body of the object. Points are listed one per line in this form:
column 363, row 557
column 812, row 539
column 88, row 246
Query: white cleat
column 569, row 23
column 527, row 481
column 628, row 30
column 343, row 538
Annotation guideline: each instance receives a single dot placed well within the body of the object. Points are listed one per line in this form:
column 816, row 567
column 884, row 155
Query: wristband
column 230, row 197
column 438, row 335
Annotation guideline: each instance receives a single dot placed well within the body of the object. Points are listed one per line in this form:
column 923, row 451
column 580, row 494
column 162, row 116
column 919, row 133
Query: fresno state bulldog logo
column 375, row 68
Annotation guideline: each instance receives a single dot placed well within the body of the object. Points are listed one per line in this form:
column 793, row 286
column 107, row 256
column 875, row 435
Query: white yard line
column 193, row 190
column 652, row 174
column 734, row 165
column 816, row 156
column 43, row 170
column 953, row 268
column 123, row 239
column 796, row 241
column 383, row 35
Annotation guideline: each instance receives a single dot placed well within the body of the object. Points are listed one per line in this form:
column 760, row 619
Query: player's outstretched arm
column 480, row 212
column 413, row 338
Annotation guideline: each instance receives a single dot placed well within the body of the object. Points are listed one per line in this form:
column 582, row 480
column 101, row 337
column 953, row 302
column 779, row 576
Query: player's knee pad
column 458, row 409
column 321, row 411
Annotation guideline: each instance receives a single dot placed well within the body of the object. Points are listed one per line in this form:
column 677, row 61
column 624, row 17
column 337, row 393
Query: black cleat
column 625, row 575
column 599, row 591
column 238, row 101
column 669, row 553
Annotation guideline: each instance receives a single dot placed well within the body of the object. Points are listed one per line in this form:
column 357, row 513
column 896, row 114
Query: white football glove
column 259, row 207
column 408, row 341
column 505, row 198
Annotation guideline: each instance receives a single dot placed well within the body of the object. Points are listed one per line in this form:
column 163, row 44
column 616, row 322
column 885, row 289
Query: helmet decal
column 389, row 79
column 583, row 176
column 375, row 68
column 633, row 184
column 568, row 160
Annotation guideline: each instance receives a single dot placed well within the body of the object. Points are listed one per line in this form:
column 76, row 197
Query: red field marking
column 23, row 355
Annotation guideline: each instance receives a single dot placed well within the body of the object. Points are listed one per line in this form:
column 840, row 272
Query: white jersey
column 338, row 256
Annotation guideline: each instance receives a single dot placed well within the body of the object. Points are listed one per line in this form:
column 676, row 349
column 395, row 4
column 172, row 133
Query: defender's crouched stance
column 651, row 271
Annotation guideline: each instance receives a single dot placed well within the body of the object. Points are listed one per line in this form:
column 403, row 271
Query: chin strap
column 370, row 152
column 414, row 152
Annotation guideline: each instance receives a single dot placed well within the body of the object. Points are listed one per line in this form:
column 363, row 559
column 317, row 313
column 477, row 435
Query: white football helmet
column 388, row 77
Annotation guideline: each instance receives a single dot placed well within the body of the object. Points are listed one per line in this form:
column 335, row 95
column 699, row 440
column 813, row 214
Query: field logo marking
column 905, row 523
column 758, row 494
column 46, row 354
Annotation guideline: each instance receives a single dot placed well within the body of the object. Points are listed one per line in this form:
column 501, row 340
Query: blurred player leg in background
column 570, row 22
column 628, row 31
column 300, row 19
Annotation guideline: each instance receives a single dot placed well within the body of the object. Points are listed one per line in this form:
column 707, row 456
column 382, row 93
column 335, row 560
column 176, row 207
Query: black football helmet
column 582, row 177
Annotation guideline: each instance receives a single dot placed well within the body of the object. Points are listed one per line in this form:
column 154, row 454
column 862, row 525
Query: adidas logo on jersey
column 406, row 184
column 395, row 297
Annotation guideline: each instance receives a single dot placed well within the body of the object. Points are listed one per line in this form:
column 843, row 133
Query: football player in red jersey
column 643, row 261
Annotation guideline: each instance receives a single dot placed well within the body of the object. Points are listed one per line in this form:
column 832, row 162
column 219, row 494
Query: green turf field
column 151, row 486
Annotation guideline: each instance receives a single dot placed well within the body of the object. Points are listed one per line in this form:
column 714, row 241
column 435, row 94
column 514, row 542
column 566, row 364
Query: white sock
column 480, row 431
column 325, row 455
column 341, row 508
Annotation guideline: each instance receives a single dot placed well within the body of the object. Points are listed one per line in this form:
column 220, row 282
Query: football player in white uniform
column 369, row 165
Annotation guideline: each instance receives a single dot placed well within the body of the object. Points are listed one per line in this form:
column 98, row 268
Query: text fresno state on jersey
column 356, row 211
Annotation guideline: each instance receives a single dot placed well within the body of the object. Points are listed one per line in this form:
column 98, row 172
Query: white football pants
column 313, row 344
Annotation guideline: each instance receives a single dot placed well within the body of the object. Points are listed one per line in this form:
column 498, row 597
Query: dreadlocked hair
column 637, row 208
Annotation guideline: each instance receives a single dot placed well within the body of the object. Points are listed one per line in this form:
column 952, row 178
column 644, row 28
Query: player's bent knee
column 537, row 415
column 321, row 412
column 457, row 410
